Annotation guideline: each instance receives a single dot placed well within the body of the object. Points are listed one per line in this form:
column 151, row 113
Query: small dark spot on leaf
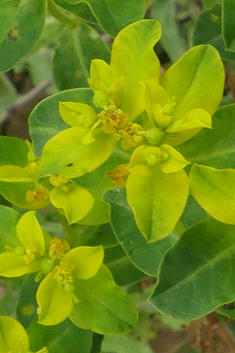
column 69, row 165
column 13, row 34
column 55, row 174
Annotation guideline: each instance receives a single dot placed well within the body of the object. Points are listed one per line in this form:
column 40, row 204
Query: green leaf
column 81, row 10
column 20, row 40
column 227, row 312
column 193, row 213
column 8, row 93
column 123, row 271
column 8, row 221
column 215, row 147
column 146, row 257
column 207, row 4
column 41, row 130
column 13, row 151
column 136, row 61
column 124, row 344
column 170, row 128
column 12, row 265
column 29, row 231
column 159, row 207
column 228, row 27
column 214, row 190
column 65, row 198
column 51, row 29
column 113, row 16
column 189, row 124
column 94, row 235
column 16, row 194
column 165, row 11
column 55, row 304
column 99, row 213
column 27, row 306
column 208, row 31
column 87, row 261
column 97, row 183
column 12, row 173
column 63, row 338
column 96, row 343
column 192, row 119
column 8, row 11
column 13, row 157
column 103, row 307
column 197, row 274
column 13, row 337
column 75, row 50
column 67, row 157
column 77, row 114
column 191, row 80
column 10, row 297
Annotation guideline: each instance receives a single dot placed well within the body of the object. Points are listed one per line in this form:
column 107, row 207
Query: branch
column 25, row 100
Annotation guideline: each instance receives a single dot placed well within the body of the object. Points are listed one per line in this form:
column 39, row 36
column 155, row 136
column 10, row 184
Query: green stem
column 80, row 55
column 62, row 15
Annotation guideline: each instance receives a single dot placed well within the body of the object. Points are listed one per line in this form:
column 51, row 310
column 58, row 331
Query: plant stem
column 62, row 15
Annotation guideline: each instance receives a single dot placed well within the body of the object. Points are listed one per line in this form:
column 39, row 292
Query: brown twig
column 24, row 101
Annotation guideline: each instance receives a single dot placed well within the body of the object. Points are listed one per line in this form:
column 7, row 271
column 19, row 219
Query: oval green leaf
column 13, row 337
column 8, row 11
column 103, row 307
column 208, row 31
column 228, row 27
column 67, row 157
column 112, row 15
column 76, row 48
column 62, row 338
column 31, row 14
column 197, row 274
column 81, row 10
column 214, row 190
column 191, row 80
